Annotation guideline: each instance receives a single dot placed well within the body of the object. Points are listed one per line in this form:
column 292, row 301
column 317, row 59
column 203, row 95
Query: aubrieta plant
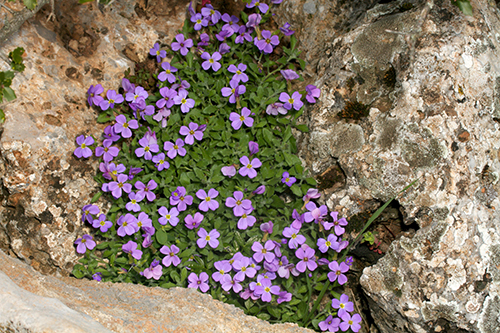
column 206, row 189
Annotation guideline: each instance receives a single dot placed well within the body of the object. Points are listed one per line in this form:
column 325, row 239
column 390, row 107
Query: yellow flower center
column 242, row 118
column 83, row 145
column 176, row 147
column 328, row 243
column 183, row 101
column 124, row 224
column 125, row 125
column 294, row 236
column 207, row 238
column 167, row 217
column 290, row 101
column 191, row 132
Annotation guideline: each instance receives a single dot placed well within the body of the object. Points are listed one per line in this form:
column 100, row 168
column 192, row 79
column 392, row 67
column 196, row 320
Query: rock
column 44, row 186
column 431, row 78
column 36, row 303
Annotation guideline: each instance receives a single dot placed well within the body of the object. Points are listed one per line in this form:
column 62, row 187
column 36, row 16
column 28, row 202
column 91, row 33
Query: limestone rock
column 38, row 303
column 44, row 186
column 430, row 76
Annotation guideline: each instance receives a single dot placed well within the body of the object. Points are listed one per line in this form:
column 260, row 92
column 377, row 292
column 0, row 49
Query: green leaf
column 184, row 179
column 303, row 128
column 30, row 4
column 2, row 116
column 464, row 6
column 296, row 190
column 96, row 197
column 161, row 237
column 268, row 136
column 9, row 94
column 103, row 118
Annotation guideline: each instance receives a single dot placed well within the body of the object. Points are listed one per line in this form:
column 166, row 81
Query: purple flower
column 312, row 193
column 88, row 211
column 180, row 199
column 123, row 126
column 284, row 296
column 205, row 38
column 231, row 22
column 211, row 61
column 293, row 101
column 338, row 223
column 182, row 44
column 133, row 172
column 199, row 21
column 350, row 322
column 238, row 120
column 113, row 98
column 106, row 150
column 167, row 101
column 167, row 73
column 201, row 282
column 193, row 222
column 266, row 289
column 285, row 29
column 186, row 103
column 238, row 72
column 266, row 43
column 207, row 200
column 128, row 225
column 306, row 254
column 168, row 216
column 227, row 282
column 102, row 224
column 127, row 86
column 315, row 213
column 131, row 248
column 223, row 34
column 174, row 149
column 286, row 179
column 84, row 243
column 260, row 190
column 298, row 219
column 146, row 190
column 242, row 266
column 133, row 205
column 97, row 276
column 289, row 74
column 349, row 260
column 229, row 171
column 343, row 305
column 94, row 92
column 119, row 185
column 284, row 268
column 267, row 227
column 329, row 324
column 222, row 267
column 210, row 238
column 312, row 93
column 246, row 221
column 248, row 168
column 154, row 271
column 253, row 147
column 330, row 242
column 295, row 239
column 160, row 162
column 155, row 51
column 234, row 92
column 110, row 171
column 263, row 252
column 243, row 35
column 253, row 20
column 138, row 94
column 239, row 205
column 192, row 133
column 209, row 12
column 170, row 255
column 275, row 108
column 337, row 272
column 83, row 150
column 148, row 145
column 262, row 6
column 110, row 135
column 224, row 48
column 144, row 222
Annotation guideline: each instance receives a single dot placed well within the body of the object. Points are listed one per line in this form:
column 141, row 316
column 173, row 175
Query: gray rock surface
column 430, row 76
column 32, row 302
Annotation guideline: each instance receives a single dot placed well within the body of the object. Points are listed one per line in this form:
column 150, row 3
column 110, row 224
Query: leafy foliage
column 6, row 78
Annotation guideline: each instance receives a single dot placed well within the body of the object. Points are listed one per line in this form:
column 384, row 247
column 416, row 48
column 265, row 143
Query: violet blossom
column 275, row 108
column 168, row 216
column 155, row 270
column 263, row 7
column 180, row 199
column 192, row 132
column 306, row 254
column 83, row 150
column 210, row 238
column 174, row 149
column 113, row 98
column 84, row 243
column 107, row 151
column 93, row 95
column 198, row 282
column 337, row 272
column 155, row 51
column 160, row 163
column 293, row 101
column 267, row 42
column 170, row 255
column 248, row 168
column 211, row 61
column 286, row 179
column 312, row 93
column 146, row 190
column 182, row 44
column 239, row 119
column 233, row 91
column 193, row 222
column 239, row 205
column 123, row 126
column 167, row 74
column 228, row 171
column 102, row 224
column 131, row 248
column 207, row 199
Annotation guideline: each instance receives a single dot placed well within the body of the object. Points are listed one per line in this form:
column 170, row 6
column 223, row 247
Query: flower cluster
column 201, row 171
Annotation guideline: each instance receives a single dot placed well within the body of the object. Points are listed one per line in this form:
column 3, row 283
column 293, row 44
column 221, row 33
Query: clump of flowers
column 205, row 186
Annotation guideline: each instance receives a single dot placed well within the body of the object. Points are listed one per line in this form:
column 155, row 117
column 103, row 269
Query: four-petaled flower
column 210, row 238
column 131, row 248
column 266, row 43
column 234, row 92
column 240, row 206
column 266, row 289
column 248, row 168
column 94, row 92
column 343, row 305
column 306, row 254
column 174, row 149
column 207, row 200
column 329, row 324
column 295, row 239
column 211, row 61
column 192, row 132
column 337, row 272
column 239, row 119
column 329, row 243
column 263, row 252
column 83, row 150
column 113, row 98
column 168, row 216
column 238, row 72
column 182, row 44
column 293, row 101
column 123, row 126
column 84, row 243
column 198, row 282
column 182, row 100
column 263, row 7
column 156, row 52
column 350, row 322
column 286, row 179
column 227, row 282
column 193, row 222
column 170, row 255
column 102, row 224
column 167, row 74
column 180, row 198
column 107, row 151
column 312, row 93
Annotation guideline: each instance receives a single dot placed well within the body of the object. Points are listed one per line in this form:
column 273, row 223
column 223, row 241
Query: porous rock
column 32, row 302
column 44, row 186
column 430, row 76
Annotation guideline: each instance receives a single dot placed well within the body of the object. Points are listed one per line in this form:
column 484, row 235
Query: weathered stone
column 31, row 302
column 430, row 75
column 44, row 185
